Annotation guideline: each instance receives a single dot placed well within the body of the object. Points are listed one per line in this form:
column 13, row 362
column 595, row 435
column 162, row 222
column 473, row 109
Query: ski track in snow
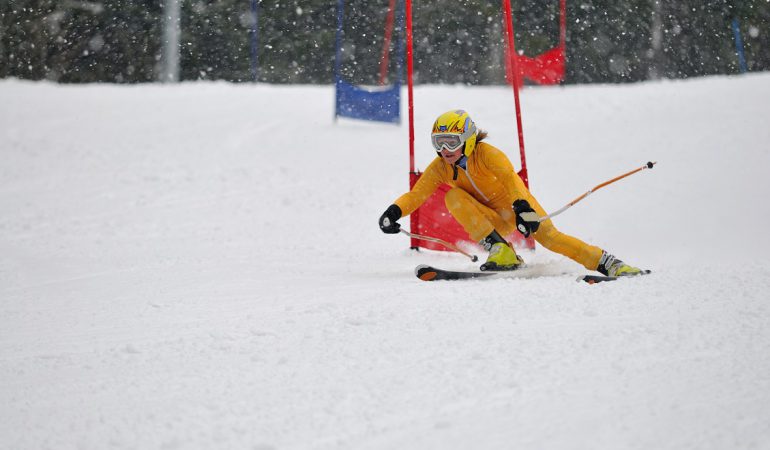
column 199, row 266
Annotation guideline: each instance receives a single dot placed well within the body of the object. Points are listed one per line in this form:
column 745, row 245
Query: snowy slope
column 199, row 266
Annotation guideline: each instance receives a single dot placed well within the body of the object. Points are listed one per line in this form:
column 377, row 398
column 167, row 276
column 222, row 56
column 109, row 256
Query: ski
column 593, row 279
column 430, row 273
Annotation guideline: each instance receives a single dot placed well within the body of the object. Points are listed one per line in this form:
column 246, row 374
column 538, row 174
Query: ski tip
column 425, row 273
column 593, row 279
column 428, row 275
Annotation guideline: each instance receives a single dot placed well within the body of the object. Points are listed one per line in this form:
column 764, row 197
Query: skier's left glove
column 388, row 220
column 527, row 220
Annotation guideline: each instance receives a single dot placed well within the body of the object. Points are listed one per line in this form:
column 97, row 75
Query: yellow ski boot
column 501, row 254
column 613, row 267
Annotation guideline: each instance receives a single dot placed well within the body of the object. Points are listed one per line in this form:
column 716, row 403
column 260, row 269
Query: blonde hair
column 480, row 135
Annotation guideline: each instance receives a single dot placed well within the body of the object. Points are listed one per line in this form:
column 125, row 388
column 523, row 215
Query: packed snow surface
column 199, row 266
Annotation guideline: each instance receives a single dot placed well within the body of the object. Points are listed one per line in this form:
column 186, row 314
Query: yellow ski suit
column 481, row 200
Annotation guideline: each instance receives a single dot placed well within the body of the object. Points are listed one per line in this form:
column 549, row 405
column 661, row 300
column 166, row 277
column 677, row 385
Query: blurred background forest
column 121, row 41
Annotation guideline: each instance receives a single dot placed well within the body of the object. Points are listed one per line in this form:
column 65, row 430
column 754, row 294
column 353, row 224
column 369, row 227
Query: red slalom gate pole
column 414, row 217
column 410, row 82
column 384, row 60
column 515, row 78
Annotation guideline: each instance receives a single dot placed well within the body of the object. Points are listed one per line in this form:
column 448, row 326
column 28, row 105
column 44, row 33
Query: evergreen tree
column 454, row 41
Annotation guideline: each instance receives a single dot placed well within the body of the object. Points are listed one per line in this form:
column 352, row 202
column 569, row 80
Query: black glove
column 527, row 220
column 388, row 220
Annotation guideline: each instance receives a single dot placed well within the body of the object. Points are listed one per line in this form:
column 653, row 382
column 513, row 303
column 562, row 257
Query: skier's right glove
column 527, row 220
column 388, row 220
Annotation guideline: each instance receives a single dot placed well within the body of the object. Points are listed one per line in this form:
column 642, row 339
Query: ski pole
column 649, row 165
column 446, row 244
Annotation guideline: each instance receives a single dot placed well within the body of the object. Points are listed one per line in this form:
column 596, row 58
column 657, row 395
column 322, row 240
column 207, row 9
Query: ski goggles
column 449, row 141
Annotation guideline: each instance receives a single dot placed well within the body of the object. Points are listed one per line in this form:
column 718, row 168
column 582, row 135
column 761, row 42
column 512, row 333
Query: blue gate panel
column 368, row 104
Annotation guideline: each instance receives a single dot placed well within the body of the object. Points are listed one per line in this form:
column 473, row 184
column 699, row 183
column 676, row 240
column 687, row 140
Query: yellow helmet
column 453, row 129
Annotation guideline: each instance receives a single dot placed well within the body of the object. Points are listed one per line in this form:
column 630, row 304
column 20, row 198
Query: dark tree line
column 75, row 41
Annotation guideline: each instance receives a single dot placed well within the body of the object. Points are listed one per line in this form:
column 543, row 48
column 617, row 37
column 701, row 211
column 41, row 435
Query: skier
column 489, row 199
